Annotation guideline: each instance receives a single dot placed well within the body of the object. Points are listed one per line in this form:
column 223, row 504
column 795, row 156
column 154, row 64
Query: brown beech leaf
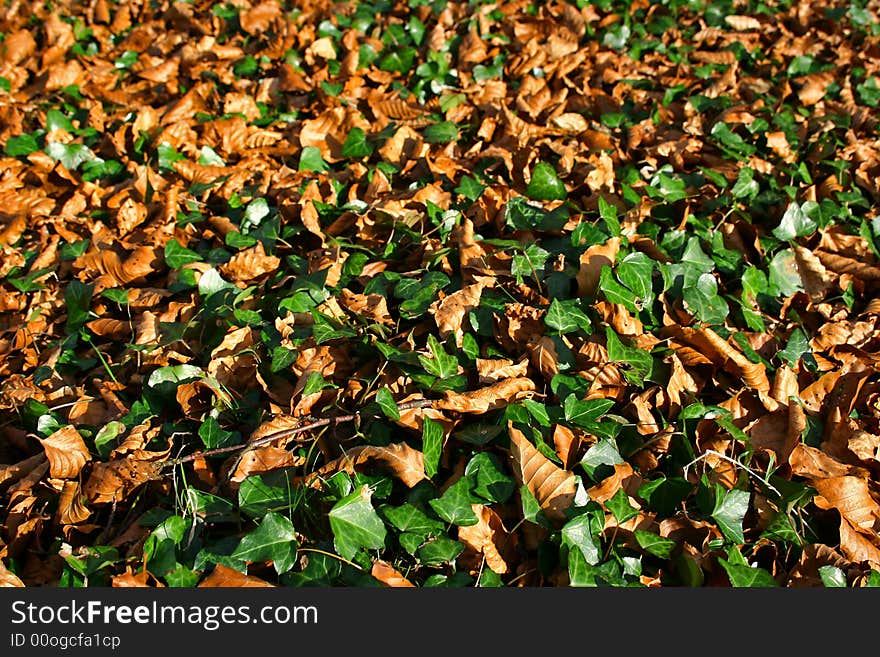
column 553, row 487
column 591, row 263
column 71, row 508
column 487, row 538
column 401, row 460
column 67, row 453
column 624, row 477
column 450, row 311
column 754, row 375
column 492, row 370
column 858, row 545
column 389, row 575
column 115, row 480
column 261, row 460
column 8, row 579
column 812, row 463
column 490, row 398
column 851, row 497
column 223, row 577
column 250, row 264
column 128, row 579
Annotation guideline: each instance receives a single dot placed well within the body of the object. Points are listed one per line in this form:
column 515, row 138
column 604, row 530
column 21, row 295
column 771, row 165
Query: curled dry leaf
column 487, row 538
column 223, row 577
column 250, row 264
column 492, row 370
column 401, row 460
column 128, row 579
column 262, row 460
column 8, row 579
column 71, row 508
column 754, row 375
column 67, row 453
column 491, row 398
column 624, row 477
column 852, row 498
column 21, row 469
column 553, row 487
column 859, row 546
column 591, row 263
column 389, row 575
column 116, row 479
column 450, row 311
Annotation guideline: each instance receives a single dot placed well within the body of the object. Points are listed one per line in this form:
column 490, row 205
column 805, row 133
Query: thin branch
column 286, row 433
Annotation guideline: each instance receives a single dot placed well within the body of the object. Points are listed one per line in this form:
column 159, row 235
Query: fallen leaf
column 8, row 579
column 490, row 398
column 591, row 262
column 449, row 312
column 389, row 576
column 404, row 462
column 487, row 538
column 851, row 497
column 553, row 487
column 223, row 577
column 67, row 453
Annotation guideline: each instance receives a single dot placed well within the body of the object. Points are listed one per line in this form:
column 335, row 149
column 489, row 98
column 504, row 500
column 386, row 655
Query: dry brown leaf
column 223, row 577
column 851, row 497
column 67, row 453
column 493, row 370
column 785, row 385
column 858, row 545
column 810, row 462
column 20, row 469
column 591, row 263
column 115, row 480
column 8, row 579
column 401, row 460
column 389, row 576
column 250, row 264
column 71, row 508
column 128, row 579
column 754, row 375
column 449, row 312
column 624, row 477
column 553, row 487
column 487, row 538
column 493, row 397
column 262, row 460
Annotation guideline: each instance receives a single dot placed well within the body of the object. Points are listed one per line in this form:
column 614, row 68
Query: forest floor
column 437, row 293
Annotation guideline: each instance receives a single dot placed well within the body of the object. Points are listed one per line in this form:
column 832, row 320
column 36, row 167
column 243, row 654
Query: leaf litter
column 431, row 293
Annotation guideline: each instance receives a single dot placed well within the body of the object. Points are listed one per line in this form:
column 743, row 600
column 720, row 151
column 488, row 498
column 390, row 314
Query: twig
column 286, row 433
column 734, row 463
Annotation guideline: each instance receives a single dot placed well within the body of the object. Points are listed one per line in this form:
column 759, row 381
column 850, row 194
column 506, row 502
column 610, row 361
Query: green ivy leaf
column 454, row 506
column 432, row 445
column 654, row 544
column 639, row 362
column 545, row 185
column 794, row 223
column 441, row 133
column 310, row 160
column 566, row 317
column 177, row 256
column 730, row 509
column 702, row 300
column 355, row 524
column 356, row 145
column 386, row 402
column 274, row 540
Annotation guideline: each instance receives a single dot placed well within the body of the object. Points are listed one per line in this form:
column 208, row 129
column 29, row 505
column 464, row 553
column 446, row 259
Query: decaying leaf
column 223, row 577
column 401, row 460
column 490, row 398
column 487, row 538
column 67, row 453
column 389, row 576
column 553, row 487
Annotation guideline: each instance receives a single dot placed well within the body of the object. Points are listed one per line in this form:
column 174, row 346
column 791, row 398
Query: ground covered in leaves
column 437, row 293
